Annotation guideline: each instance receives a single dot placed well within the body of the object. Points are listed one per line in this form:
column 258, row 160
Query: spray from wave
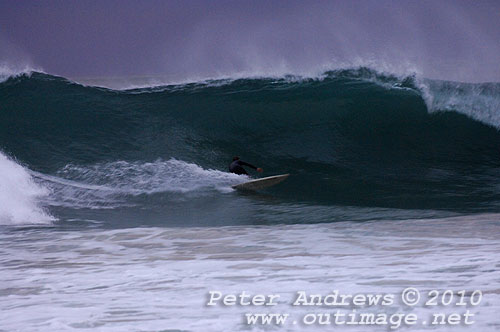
column 20, row 195
column 115, row 184
column 11, row 71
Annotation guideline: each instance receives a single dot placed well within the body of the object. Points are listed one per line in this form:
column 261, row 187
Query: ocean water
column 117, row 213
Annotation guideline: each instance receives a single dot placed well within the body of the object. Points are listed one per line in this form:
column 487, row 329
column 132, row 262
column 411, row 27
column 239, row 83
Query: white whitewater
column 157, row 279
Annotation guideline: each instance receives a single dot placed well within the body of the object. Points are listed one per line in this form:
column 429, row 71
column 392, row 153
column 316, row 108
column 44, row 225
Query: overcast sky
column 458, row 40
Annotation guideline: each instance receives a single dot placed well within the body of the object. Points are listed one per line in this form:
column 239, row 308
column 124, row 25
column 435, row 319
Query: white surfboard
column 261, row 183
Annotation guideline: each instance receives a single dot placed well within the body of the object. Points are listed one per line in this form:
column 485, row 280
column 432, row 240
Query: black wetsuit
column 236, row 167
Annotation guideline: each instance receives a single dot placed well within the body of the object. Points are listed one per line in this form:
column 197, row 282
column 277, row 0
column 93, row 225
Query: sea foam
column 111, row 185
column 20, row 195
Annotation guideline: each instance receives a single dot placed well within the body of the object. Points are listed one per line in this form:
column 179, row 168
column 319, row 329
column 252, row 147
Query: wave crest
column 9, row 71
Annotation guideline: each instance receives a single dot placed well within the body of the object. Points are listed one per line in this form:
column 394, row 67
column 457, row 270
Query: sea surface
column 117, row 212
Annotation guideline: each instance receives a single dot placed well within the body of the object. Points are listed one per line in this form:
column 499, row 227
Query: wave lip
column 479, row 101
column 9, row 71
column 20, row 196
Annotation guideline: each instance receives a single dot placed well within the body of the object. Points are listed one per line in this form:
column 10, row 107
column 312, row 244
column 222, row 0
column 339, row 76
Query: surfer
column 237, row 167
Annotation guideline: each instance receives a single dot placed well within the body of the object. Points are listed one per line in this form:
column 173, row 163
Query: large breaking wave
column 349, row 137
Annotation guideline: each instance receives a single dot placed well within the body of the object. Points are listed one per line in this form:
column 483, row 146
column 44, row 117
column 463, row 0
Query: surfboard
column 261, row 183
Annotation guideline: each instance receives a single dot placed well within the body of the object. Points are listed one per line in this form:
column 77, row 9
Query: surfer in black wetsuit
column 237, row 166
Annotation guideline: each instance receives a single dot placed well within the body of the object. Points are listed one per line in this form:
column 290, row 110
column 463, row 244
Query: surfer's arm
column 247, row 164
column 260, row 170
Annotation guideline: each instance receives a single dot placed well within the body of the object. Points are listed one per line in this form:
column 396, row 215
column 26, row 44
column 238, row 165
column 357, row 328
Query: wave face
column 349, row 138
